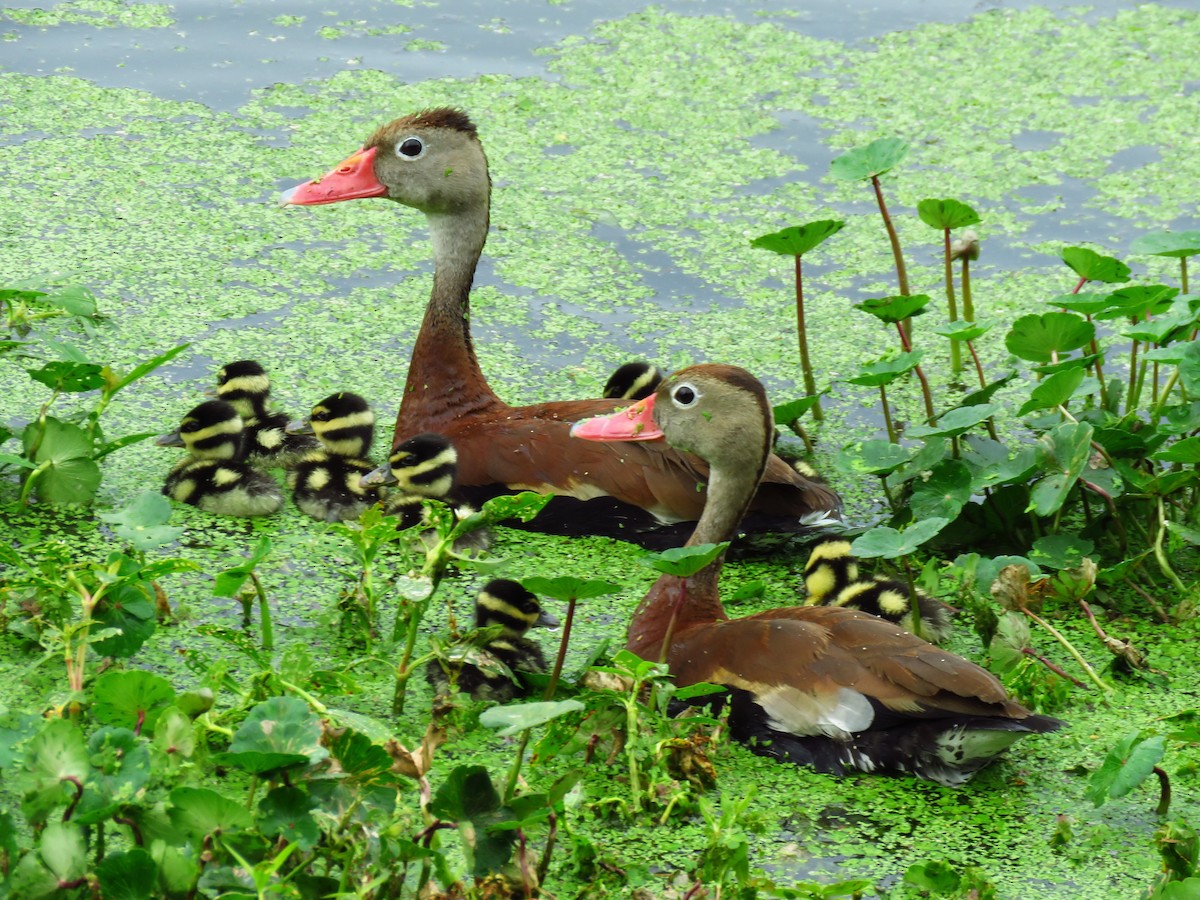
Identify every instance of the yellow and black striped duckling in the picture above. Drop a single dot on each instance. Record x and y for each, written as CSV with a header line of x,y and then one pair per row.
x,y
212,475
635,380
424,467
327,483
505,603
245,384
832,579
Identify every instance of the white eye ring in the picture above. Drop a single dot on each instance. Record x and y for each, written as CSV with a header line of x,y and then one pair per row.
x,y
410,148
684,395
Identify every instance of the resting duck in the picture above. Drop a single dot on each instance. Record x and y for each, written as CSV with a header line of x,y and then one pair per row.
x,y
424,468
635,380
823,686
326,483
432,161
212,475
831,578
505,603
246,385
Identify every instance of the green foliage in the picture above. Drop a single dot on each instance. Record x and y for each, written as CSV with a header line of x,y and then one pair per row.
x,y
870,161
946,214
798,239
1091,266
1178,244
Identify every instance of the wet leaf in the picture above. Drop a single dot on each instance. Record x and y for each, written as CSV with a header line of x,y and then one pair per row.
x,y
875,158
889,543
131,699
947,214
1091,265
798,239
1127,765
1037,337
516,717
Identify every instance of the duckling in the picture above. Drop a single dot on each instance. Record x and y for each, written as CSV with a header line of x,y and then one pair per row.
x,y
635,380
424,467
832,579
212,476
506,603
245,384
327,483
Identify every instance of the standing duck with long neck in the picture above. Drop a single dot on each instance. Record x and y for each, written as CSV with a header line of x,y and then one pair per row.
x,y
433,162
828,687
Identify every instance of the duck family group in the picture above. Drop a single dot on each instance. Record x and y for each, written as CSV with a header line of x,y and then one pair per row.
x,y
854,680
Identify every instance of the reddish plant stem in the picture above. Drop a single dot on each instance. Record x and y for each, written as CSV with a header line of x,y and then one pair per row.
x,y
562,652
952,305
926,394
1057,670
901,272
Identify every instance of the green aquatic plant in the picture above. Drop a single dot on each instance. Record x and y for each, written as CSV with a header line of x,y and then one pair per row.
x,y
897,311
795,241
242,581
947,215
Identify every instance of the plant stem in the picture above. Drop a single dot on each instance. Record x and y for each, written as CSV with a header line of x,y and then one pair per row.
x,y
810,384
1183,274
887,415
1058,636
926,394
1053,667
562,650
956,364
1161,557
264,613
514,773
968,305
1164,793
893,238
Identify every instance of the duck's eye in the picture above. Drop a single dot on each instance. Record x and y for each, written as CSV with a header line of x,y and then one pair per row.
x,y
410,148
684,395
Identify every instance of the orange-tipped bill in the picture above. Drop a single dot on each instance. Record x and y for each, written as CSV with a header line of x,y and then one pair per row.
x,y
353,179
633,423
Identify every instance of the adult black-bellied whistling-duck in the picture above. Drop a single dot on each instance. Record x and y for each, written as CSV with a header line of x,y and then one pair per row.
x,y
508,604
433,162
824,686
246,385
327,483
831,578
212,476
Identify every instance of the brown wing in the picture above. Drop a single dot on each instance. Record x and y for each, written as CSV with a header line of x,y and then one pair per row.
x,y
822,655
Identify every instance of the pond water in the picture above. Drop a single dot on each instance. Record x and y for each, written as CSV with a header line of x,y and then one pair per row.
x,y
635,150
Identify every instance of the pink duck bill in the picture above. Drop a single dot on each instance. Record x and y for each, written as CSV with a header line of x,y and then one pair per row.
x,y
633,423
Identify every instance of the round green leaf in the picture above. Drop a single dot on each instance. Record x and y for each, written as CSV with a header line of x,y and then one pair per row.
x,y
1185,451
54,758
1061,551
278,733
894,309
1036,338
956,421
874,159
121,767
567,587
944,493
143,522
128,875
889,543
1054,391
1091,265
129,608
785,413
71,475
1138,300
69,377
286,812
1182,243
133,699
64,851
1064,453
873,457
798,239
517,717
199,812
684,561
1084,302
886,370
946,214
965,331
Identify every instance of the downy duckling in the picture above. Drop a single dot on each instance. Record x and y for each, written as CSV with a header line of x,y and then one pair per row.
x,y
832,578
424,467
327,483
635,380
245,384
506,603
212,475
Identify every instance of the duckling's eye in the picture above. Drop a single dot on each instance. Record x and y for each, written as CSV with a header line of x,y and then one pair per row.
x,y
410,148
685,395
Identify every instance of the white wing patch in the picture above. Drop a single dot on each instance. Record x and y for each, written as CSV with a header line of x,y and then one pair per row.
x,y
835,715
